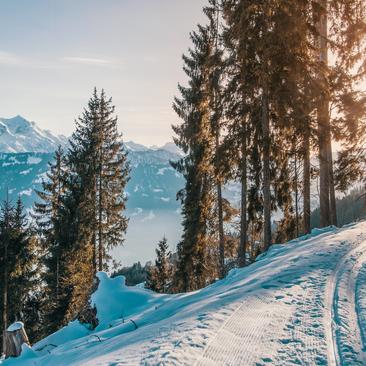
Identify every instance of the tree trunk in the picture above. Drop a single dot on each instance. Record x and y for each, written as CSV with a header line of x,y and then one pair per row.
x,y
243,245
94,235
219,187
220,209
296,196
266,172
324,121
5,294
221,230
332,198
94,243
57,275
100,214
14,338
100,231
306,179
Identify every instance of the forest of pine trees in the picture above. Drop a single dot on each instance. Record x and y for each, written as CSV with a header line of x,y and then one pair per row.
x,y
271,86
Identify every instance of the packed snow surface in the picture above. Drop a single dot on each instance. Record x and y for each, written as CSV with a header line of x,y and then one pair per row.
x,y
302,303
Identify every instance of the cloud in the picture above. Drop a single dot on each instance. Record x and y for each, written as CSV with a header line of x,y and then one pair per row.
x,y
88,61
7,58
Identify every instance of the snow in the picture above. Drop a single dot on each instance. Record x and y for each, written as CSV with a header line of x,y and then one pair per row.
x,y
19,135
301,303
162,171
124,302
26,192
25,172
72,331
15,326
27,358
33,160
43,177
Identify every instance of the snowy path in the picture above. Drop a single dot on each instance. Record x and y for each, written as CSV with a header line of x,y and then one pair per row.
x,y
347,346
303,303
242,339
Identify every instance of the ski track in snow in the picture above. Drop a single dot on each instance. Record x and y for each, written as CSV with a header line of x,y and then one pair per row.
x,y
300,304
347,341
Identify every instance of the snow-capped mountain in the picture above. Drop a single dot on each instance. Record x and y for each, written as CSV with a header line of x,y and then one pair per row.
x,y
17,135
169,146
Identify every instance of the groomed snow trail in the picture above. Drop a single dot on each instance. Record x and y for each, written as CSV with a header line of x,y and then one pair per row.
x,y
347,346
302,303
237,343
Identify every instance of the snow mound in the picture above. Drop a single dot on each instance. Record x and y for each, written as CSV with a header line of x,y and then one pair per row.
x,y
74,330
15,326
114,300
28,356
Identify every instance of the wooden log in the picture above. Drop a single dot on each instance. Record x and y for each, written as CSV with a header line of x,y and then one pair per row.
x,y
15,337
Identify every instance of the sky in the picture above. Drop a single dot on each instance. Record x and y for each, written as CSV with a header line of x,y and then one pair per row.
x,y
53,53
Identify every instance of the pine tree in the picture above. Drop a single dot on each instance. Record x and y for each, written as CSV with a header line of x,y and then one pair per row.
x,y
339,27
160,276
267,53
6,264
49,215
214,65
18,265
23,275
194,137
98,158
80,215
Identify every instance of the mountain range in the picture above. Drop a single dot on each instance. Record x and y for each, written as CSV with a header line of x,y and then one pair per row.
x,y
17,135
25,153
26,150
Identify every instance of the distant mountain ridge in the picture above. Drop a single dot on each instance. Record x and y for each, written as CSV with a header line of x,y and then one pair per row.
x,y
17,135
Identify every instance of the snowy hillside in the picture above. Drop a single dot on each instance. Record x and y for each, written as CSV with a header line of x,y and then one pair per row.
x,y
17,135
302,303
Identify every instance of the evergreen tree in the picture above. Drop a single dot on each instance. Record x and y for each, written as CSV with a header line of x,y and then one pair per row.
x,y
214,65
338,26
194,137
49,215
98,158
81,215
160,276
267,53
18,265
6,264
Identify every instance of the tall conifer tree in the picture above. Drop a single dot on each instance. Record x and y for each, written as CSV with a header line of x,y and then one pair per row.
x,y
99,160
194,137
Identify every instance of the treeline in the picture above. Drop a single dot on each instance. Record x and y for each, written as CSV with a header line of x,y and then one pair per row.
x,y
262,99
48,268
350,208
19,279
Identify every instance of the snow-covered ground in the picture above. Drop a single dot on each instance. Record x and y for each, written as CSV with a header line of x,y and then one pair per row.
x,y
303,303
